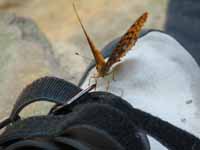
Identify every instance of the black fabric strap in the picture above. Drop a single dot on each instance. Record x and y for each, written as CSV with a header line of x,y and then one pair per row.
x,y
32,144
104,120
59,91
83,123
167,134
50,89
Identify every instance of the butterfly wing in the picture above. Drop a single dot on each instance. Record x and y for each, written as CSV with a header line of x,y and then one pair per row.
x,y
100,62
127,41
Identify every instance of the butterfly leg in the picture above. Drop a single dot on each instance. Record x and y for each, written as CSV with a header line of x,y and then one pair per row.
x,y
92,77
107,86
113,75
95,83
90,81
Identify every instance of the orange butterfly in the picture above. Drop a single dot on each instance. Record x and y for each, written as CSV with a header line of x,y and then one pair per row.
x,y
123,46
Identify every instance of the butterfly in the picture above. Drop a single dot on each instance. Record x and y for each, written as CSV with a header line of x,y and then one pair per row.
x,y
125,44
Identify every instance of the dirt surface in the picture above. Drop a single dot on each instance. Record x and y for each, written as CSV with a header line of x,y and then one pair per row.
x,y
103,19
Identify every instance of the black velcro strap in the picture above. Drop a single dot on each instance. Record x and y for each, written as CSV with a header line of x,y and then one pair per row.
x,y
33,144
83,126
45,89
114,122
167,134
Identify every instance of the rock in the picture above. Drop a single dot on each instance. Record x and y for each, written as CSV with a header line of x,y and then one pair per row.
x,y
26,55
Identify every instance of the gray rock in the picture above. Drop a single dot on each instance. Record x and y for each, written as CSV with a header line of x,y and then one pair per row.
x,y
25,54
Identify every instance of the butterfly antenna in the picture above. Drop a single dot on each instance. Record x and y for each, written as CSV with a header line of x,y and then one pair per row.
x,y
96,53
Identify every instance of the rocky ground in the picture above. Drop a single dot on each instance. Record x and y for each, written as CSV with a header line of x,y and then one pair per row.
x,y
46,42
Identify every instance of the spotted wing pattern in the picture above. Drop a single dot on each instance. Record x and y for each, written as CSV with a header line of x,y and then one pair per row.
x,y
127,41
